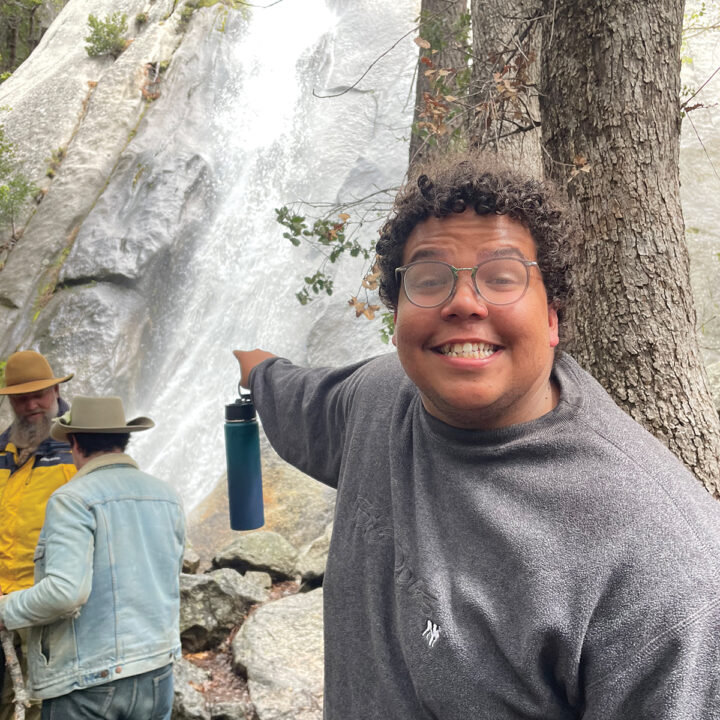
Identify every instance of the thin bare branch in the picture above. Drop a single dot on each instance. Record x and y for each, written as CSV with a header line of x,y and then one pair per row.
x,y
714,73
369,68
707,155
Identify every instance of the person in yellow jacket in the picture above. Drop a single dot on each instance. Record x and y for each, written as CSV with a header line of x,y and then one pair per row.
x,y
32,467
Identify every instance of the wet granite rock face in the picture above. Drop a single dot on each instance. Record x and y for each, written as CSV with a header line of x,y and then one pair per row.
x,y
89,107
131,196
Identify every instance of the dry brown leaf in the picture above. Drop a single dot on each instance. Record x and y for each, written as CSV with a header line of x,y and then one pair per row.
x,y
370,310
370,281
357,305
422,43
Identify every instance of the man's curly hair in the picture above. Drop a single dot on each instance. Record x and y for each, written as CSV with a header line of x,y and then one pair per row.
x,y
450,184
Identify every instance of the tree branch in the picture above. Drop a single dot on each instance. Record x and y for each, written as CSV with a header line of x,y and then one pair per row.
x,y
369,68
21,697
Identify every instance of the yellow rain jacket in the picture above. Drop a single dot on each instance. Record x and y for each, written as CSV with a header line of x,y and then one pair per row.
x,y
24,492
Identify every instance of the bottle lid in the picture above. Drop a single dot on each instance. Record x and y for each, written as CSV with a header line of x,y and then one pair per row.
x,y
242,410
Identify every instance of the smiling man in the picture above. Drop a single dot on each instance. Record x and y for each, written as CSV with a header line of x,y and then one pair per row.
x,y
32,467
508,544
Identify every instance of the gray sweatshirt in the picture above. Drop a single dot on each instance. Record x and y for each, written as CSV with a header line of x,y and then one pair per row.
x,y
568,567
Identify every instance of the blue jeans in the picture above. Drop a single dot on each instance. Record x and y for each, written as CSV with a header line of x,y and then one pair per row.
x,y
148,696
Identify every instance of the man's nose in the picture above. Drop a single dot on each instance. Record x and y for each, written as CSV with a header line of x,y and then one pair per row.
x,y
466,301
32,404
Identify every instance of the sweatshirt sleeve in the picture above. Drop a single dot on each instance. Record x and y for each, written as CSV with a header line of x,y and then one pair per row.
x,y
304,413
674,677
64,559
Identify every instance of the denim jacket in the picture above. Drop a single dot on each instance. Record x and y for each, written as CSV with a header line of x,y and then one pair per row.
x,y
106,598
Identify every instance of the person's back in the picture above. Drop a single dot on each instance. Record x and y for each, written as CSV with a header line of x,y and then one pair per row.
x,y
123,628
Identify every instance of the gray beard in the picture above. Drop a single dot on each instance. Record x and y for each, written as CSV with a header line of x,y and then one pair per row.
x,y
27,436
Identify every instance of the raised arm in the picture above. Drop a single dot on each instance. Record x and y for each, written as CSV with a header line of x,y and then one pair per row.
x,y
248,359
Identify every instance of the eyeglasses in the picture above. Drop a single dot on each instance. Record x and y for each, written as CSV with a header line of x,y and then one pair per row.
x,y
498,281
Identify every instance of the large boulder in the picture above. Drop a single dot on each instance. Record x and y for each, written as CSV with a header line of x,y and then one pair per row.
x,y
212,605
285,679
264,550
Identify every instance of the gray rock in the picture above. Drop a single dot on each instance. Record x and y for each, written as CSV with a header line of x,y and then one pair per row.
x,y
266,551
238,710
313,557
285,679
212,605
191,561
261,579
189,702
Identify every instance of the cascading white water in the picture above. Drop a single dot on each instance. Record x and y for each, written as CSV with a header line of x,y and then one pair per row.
x,y
278,144
700,178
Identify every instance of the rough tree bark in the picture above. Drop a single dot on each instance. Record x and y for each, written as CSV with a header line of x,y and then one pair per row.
x,y
611,122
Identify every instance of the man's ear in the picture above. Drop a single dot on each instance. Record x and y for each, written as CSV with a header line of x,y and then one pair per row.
x,y
394,339
553,326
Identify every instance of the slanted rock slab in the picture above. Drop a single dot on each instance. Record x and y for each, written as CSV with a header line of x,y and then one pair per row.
x,y
280,648
266,551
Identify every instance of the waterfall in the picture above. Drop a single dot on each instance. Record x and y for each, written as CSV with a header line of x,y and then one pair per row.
x,y
273,142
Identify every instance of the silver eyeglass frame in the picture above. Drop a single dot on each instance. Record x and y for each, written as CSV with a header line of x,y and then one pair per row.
x,y
400,273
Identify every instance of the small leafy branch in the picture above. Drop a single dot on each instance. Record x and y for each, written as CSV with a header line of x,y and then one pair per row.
x,y
442,116
701,20
327,236
106,36
333,235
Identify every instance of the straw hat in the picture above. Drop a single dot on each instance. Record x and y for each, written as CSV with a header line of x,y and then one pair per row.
x,y
28,371
97,415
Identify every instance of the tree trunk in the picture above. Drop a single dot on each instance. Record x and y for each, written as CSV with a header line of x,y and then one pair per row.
x,y
505,74
611,122
440,25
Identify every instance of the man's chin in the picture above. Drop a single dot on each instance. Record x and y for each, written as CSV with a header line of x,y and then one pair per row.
x,y
30,431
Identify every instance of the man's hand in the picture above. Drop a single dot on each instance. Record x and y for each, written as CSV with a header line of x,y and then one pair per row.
x,y
248,359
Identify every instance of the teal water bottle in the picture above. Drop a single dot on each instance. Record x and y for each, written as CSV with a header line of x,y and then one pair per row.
x,y
242,449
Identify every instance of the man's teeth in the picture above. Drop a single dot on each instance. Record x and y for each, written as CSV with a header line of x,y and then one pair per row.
x,y
467,350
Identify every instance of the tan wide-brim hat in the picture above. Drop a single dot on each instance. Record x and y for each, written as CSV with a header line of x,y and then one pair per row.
x,y
97,415
28,371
